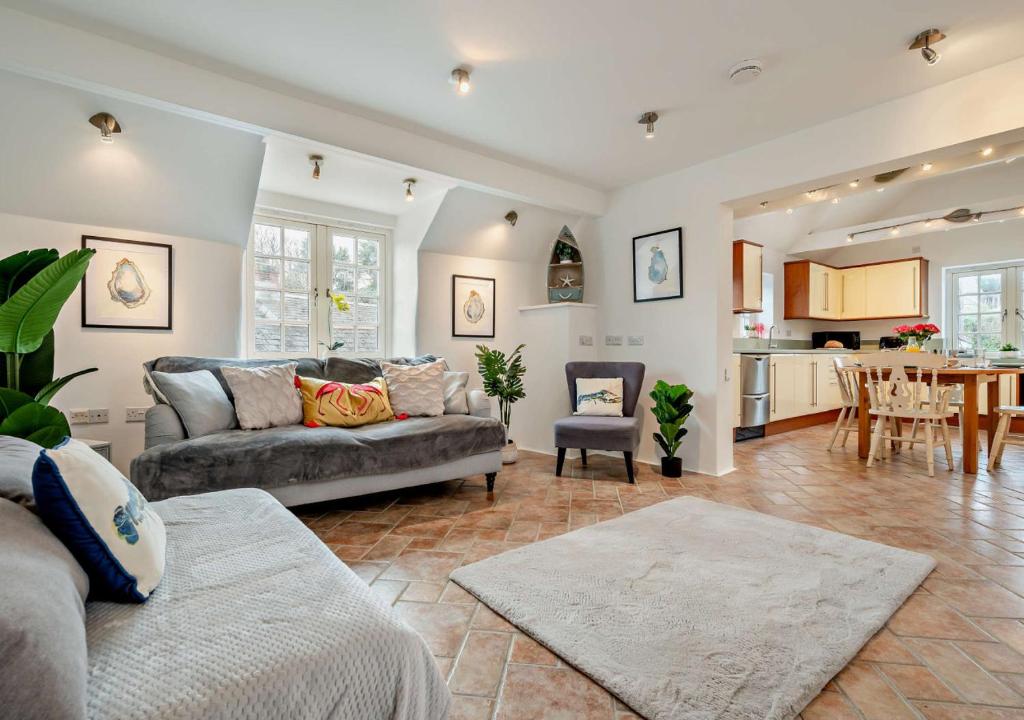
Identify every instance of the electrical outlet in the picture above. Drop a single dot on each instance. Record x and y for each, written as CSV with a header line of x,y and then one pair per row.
x,y
635,340
587,340
612,339
789,333
135,414
79,417
98,415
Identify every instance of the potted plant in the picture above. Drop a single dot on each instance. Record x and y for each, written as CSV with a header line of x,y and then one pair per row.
x,y
671,409
1009,350
564,252
503,378
34,285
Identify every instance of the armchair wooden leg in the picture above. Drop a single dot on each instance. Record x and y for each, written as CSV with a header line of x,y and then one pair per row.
x,y
583,457
559,462
490,481
629,467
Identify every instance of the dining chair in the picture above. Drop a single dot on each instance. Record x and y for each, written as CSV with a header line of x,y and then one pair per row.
x,y
848,392
916,396
1003,436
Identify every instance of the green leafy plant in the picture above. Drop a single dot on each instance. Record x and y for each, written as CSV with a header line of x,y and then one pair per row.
x,y
502,377
34,285
564,251
671,409
1009,347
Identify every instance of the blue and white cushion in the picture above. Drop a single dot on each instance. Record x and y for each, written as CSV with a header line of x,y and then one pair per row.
x,y
599,396
102,519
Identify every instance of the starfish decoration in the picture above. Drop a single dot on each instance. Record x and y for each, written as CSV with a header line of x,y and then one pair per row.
x,y
566,281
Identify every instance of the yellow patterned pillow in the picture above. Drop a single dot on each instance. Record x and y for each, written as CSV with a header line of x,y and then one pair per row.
x,y
338,404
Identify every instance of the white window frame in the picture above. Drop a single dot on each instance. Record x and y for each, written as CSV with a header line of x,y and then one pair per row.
x,y
1012,301
321,273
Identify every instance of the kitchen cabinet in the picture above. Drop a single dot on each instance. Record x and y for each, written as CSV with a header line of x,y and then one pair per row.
x,y
782,386
802,384
747,271
897,289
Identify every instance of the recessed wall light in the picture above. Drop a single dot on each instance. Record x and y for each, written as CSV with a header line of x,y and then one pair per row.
x,y
926,166
924,42
460,79
986,152
409,195
647,120
107,124
317,161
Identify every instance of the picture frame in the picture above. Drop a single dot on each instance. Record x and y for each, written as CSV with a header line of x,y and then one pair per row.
x,y
473,306
658,266
129,285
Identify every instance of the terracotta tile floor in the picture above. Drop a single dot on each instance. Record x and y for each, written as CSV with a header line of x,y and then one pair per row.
x,y
954,651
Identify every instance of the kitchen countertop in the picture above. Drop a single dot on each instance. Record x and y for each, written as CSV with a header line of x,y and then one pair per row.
x,y
803,351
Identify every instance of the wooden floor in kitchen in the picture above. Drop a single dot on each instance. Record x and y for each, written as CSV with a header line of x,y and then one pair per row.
x,y
954,651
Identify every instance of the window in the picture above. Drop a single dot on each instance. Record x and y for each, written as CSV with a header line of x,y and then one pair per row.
x,y
987,307
292,267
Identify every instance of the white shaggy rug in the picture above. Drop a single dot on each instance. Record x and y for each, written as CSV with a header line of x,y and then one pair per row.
x,y
694,610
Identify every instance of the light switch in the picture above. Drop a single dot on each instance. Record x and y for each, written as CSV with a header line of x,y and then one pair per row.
x,y
612,339
587,340
635,340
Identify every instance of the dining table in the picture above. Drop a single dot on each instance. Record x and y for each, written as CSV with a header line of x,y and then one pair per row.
x,y
972,379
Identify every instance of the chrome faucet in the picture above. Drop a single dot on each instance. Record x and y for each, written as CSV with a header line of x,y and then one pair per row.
x,y
771,331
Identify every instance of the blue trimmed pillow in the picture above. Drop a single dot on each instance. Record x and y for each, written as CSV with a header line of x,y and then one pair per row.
x,y
102,519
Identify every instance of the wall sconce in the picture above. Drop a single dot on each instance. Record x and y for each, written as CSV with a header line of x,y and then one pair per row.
x,y
648,119
107,124
512,217
924,42
317,161
409,182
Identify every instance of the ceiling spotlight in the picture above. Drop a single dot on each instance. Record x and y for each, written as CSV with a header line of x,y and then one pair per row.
x,y
648,119
926,166
849,238
789,211
1022,211
986,152
107,125
927,223
924,42
409,195
764,204
460,79
855,183
976,218
317,161
745,71
835,201
894,231
512,217
879,189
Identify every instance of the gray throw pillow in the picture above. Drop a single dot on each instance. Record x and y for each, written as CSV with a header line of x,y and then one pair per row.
x,y
199,400
19,457
456,402
42,624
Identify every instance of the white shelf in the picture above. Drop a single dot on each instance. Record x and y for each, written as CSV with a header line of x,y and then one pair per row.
x,y
548,306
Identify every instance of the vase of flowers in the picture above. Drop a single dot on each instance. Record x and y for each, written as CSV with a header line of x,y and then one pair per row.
x,y
915,336
754,330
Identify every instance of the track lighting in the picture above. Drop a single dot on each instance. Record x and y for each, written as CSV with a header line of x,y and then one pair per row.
x,y
855,183
512,217
409,195
460,79
107,124
879,189
894,231
986,152
648,119
317,161
927,166
849,238
924,42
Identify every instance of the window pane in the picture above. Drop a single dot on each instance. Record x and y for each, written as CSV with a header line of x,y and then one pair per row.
x,y
296,308
344,280
368,282
267,305
368,252
296,275
366,310
268,273
991,303
267,239
991,323
296,243
268,338
968,303
965,342
344,249
991,283
296,338
990,342
968,284
968,323
367,339
344,335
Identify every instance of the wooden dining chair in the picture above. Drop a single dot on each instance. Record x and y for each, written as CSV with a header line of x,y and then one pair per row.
x,y
1003,436
846,423
916,396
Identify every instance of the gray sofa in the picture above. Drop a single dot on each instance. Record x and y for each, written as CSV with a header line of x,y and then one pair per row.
x,y
299,465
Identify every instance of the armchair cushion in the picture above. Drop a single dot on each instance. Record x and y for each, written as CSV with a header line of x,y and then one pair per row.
x,y
599,433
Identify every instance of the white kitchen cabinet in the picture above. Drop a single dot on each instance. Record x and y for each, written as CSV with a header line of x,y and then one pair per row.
x,y
782,385
893,289
829,396
854,295
897,289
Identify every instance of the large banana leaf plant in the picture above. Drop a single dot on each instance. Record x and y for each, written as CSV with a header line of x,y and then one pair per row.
x,y
34,285
502,378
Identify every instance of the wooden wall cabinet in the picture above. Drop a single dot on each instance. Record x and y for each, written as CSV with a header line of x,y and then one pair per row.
x,y
747,269
876,291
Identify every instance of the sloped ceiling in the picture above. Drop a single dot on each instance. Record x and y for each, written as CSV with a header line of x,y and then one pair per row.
x,y
164,173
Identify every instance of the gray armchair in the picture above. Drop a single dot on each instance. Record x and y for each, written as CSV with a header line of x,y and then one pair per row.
x,y
589,432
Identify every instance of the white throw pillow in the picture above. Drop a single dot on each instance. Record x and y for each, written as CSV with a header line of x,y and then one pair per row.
x,y
415,389
599,396
102,519
265,396
456,402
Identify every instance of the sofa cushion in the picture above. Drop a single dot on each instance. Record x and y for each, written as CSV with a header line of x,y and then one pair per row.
x,y
337,404
307,367
265,396
362,370
19,457
415,390
199,400
256,619
42,621
456,400
296,454
598,433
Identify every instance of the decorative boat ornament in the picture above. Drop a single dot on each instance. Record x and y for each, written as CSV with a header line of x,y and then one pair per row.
x,y
565,269
127,285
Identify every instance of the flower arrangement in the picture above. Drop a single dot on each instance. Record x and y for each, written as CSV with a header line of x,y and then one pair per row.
x,y
915,335
754,329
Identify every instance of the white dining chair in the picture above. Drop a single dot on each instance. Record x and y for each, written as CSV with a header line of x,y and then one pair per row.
x,y
846,423
1003,436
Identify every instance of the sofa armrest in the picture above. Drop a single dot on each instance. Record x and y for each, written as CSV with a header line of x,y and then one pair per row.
x,y
479,403
163,426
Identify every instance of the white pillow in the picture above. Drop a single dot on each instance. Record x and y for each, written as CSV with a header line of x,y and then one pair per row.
x,y
599,396
265,396
456,402
415,389
102,519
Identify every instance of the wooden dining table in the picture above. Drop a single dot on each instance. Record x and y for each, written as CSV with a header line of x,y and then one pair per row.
x,y
971,378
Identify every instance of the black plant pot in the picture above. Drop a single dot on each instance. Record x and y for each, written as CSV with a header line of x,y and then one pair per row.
x,y
672,467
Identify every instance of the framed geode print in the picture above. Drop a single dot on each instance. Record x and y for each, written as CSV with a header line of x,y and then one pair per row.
x,y
658,266
472,306
128,285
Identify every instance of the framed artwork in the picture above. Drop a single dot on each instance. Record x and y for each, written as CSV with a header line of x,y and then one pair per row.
x,y
128,285
472,306
658,265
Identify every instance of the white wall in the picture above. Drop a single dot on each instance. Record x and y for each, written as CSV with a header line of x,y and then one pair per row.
x,y
207,317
